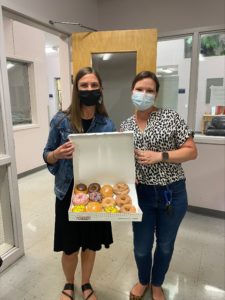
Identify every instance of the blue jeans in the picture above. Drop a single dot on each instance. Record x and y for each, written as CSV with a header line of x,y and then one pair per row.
x,y
157,222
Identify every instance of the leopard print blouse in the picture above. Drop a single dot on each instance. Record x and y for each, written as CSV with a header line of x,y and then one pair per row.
x,y
165,131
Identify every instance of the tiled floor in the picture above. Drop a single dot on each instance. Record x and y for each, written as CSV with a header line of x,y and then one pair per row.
x,y
196,271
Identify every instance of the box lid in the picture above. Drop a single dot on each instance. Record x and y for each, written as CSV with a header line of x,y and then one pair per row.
x,y
103,157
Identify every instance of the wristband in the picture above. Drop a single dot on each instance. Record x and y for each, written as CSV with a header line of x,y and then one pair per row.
x,y
165,156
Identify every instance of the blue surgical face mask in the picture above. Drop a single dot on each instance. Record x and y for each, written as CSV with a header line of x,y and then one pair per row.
x,y
142,101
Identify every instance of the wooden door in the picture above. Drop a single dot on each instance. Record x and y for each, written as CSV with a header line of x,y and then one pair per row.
x,y
143,42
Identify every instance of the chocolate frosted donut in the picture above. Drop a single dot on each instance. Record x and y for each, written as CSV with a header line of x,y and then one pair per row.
x,y
80,188
94,187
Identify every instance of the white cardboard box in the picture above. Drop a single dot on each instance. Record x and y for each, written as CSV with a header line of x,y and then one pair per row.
x,y
106,158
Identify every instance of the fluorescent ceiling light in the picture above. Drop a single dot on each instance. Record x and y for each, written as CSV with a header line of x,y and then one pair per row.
x,y
167,71
49,50
106,56
10,65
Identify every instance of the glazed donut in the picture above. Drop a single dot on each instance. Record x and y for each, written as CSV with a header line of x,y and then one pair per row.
x,y
94,187
80,199
93,207
80,189
127,208
123,199
95,196
78,208
108,201
106,190
121,188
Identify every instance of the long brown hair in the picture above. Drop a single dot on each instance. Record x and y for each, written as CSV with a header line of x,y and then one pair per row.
x,y
74,110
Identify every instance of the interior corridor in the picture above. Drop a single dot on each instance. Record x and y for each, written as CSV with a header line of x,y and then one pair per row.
x,y
196,271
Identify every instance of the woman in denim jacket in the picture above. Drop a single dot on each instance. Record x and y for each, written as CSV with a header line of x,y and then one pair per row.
x,y
86,113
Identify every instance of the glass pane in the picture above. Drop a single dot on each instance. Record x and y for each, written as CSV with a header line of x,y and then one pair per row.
x,y
210,113
6,230
19,92
173,71
117,71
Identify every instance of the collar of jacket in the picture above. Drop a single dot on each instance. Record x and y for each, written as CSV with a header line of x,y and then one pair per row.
x,y
100,119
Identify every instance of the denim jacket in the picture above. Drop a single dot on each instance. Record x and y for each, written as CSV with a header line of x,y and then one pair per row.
x,y
60,128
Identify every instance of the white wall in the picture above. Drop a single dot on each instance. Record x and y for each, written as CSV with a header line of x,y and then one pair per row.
x,y
163,15
206,177
27,43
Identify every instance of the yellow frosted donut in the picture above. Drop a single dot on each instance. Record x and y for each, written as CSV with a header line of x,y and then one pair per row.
x,y
111,209
78,208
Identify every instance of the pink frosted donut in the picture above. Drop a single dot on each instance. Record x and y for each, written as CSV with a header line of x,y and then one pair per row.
x,y
95,196
80,199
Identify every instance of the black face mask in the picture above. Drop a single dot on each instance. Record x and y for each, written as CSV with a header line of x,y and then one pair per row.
x,y
89,98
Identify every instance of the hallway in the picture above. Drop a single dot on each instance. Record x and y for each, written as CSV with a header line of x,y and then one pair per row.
x,y
196,271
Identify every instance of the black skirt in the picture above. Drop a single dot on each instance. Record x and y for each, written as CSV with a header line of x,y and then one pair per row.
x,y
70,236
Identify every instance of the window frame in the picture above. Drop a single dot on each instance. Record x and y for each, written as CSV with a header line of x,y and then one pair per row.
x,y
32,92
194,72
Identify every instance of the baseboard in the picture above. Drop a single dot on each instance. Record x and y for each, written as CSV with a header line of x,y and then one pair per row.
x,y
207,212
31,171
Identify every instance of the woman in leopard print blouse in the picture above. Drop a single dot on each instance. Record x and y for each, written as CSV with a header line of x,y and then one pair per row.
x,y
162,142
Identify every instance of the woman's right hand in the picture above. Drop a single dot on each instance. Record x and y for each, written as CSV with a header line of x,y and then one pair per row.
x,y
64,151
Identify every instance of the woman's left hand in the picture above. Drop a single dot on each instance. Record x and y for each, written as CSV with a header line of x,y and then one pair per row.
x,y
147,157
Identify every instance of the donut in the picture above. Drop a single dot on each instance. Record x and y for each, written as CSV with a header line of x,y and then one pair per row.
x,y
95,196
127,208
123,199
111,209
108,201
78,208
80,189
94,187
93,207
79,199
121,188
106,190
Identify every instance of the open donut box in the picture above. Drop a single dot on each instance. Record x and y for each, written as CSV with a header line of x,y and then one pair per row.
x,y
106,158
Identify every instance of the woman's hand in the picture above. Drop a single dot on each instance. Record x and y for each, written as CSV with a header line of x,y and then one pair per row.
x,y
147,157
64,151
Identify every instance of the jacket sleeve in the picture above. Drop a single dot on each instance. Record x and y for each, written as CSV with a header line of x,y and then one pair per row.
x,y
112,125
53,142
